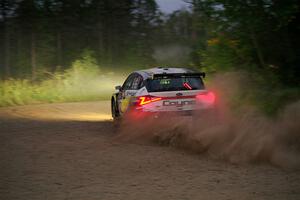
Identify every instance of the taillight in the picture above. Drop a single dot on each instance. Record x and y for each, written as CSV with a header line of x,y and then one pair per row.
x,y
143,100
207,98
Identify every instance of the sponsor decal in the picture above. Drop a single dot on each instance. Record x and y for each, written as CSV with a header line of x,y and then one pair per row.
x,y
179,103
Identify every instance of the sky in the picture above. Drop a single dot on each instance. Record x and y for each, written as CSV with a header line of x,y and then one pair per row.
x,y
168,6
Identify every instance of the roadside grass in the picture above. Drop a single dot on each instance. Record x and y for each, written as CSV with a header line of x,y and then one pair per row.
x,y
57,89
83,81
261,91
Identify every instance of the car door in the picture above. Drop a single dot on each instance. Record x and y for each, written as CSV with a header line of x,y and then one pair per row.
x,y
124,94
130,89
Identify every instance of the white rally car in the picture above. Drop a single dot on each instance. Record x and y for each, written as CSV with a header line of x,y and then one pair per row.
x,y
159,91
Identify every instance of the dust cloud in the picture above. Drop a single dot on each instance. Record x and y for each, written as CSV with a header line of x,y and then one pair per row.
x,y
238,134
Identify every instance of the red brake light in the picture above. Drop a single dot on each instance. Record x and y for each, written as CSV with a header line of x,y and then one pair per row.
x,y
143,100
208,97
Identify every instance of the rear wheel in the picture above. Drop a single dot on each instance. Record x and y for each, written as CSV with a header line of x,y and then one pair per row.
x,y
115,115
114,111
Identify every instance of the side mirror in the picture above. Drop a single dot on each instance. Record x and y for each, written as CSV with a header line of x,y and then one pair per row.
x,y
118,88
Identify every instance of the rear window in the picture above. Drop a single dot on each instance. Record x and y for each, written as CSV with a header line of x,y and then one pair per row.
x,y
174,84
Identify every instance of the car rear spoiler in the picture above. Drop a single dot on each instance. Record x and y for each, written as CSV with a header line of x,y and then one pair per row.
x,y
165,75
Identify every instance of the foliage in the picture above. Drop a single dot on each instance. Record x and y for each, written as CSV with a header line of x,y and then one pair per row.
x,y
257,36
84,81
50,35
236,39
43,38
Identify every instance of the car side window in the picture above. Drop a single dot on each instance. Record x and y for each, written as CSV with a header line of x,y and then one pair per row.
x,y
128,82
136,82
142,83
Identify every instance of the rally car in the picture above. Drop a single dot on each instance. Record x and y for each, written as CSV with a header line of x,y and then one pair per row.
x,y
159,91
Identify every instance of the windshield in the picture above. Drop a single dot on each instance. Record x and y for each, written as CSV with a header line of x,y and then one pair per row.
x,y
174,84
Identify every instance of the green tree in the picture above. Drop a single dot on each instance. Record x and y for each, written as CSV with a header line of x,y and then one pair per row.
x,y
7,8
259,33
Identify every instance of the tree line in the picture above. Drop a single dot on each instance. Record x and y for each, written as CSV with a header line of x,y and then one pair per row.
x,y
50,34
255,35
260,36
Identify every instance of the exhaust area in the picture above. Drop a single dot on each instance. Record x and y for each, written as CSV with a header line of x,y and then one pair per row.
x,y
239,133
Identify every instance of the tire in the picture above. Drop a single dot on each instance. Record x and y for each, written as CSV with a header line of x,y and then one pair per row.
x,y
114,111
115,115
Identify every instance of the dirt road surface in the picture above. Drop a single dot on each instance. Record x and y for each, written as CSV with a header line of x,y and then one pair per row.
x,y
69,151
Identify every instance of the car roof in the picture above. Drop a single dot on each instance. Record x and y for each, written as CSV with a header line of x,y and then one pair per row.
x,y
148,73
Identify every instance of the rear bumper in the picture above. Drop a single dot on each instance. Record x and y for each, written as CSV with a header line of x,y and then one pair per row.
x,y
140,114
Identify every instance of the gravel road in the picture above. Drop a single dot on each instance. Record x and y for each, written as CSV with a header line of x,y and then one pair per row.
x,y
69,151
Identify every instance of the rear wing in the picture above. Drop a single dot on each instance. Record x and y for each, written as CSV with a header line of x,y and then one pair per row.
x,y
165,75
